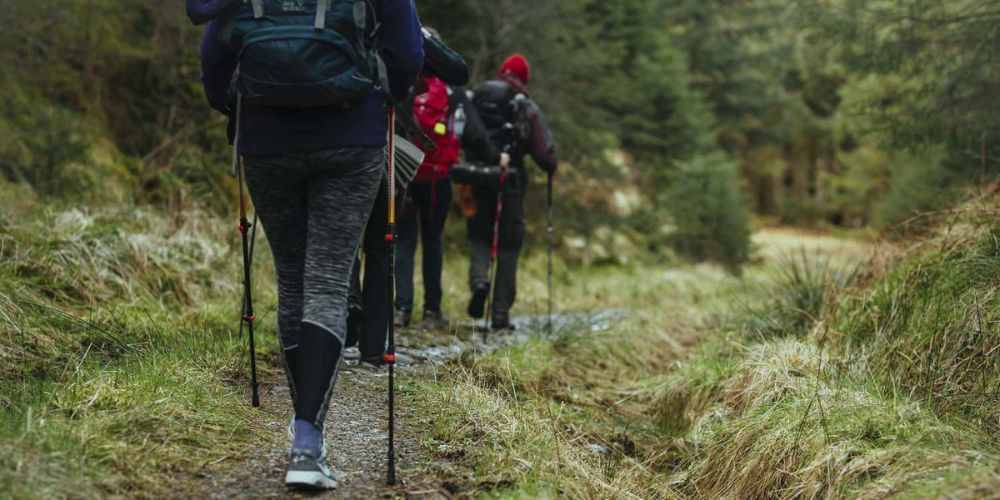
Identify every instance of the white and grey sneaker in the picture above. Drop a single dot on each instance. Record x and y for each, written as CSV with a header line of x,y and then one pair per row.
x,y
308,472
352,354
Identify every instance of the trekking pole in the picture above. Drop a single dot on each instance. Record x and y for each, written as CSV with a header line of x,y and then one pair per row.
x,y
253,244
248,314
390,237
495,251
245,226
549,244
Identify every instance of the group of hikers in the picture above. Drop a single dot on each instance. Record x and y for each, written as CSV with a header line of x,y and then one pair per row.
x,y
316,91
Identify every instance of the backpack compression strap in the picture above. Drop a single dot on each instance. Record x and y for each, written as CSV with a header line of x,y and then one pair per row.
x,y
322,6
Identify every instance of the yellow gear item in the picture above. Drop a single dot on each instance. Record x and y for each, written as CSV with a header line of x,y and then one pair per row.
x,y
440,128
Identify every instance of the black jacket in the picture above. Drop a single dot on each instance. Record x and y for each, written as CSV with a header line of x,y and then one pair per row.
x,y
515,123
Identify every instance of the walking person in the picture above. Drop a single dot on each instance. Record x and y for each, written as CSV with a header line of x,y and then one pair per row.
x,y
369,310
515,124
314,158
448,118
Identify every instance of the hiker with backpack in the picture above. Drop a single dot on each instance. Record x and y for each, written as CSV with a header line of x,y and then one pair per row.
x,y
311,84
368,309
516,125
446,116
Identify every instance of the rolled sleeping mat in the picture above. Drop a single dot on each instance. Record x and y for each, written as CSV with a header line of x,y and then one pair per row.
x,y
444,62
487,176
408,160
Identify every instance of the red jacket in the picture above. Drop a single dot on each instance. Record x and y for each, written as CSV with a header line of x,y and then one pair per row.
x,y
433,111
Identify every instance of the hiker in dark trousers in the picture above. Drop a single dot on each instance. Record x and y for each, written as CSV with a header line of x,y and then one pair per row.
x,y
451,122
368,308
313,172
515,124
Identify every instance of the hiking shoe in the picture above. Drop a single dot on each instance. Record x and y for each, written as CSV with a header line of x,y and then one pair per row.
x,y
352,354
379,361
355,317
308,472
434,320
376,361
401,319
502,323
477,305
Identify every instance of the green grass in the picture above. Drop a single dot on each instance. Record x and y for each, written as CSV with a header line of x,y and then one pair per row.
x,y
532,416
810,377
120,365
930,327
818,373
780,417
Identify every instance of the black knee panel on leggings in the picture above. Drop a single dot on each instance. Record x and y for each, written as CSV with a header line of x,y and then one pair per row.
x,y
317,361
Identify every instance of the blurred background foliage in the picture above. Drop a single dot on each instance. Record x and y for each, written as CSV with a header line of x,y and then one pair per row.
x,y
844,113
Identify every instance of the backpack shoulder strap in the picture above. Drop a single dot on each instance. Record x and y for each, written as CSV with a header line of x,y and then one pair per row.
x,y
361,15
321,7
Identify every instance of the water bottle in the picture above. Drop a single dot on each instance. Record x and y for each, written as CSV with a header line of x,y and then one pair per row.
x,y
460,119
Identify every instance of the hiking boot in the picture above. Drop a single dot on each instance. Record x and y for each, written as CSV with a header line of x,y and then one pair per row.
x,y
355,317
306,471
477,305
434,320
502,323
379,361
373,361
401,319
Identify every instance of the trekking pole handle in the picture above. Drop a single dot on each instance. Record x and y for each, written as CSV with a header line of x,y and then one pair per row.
x,y
236,136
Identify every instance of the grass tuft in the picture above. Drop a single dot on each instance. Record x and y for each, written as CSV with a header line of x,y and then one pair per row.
x,y
120,369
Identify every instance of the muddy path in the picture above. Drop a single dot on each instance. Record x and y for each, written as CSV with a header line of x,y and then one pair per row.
x,y
356,432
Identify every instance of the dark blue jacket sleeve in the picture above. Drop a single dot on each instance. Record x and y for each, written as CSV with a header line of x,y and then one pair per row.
x,y
401,44
218,63
203,11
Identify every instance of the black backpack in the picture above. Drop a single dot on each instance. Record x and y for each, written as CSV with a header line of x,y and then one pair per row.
x,y
306,53
501,108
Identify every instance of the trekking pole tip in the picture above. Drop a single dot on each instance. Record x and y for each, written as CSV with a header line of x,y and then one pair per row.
x,y
255,398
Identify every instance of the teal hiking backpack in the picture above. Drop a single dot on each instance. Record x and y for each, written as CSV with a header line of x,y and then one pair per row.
x,y
306,53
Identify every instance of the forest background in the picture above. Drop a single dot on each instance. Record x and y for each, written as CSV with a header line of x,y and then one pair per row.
x,y
676,120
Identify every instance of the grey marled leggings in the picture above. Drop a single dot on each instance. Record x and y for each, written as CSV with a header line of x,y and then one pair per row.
x,y
314,208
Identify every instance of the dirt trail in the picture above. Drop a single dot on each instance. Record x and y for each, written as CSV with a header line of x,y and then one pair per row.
x,y
356,423
356,444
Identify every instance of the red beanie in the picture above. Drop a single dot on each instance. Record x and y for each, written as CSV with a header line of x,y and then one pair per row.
x,y
518,65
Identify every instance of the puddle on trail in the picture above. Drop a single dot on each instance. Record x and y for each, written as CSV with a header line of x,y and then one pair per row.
x,y
474,337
